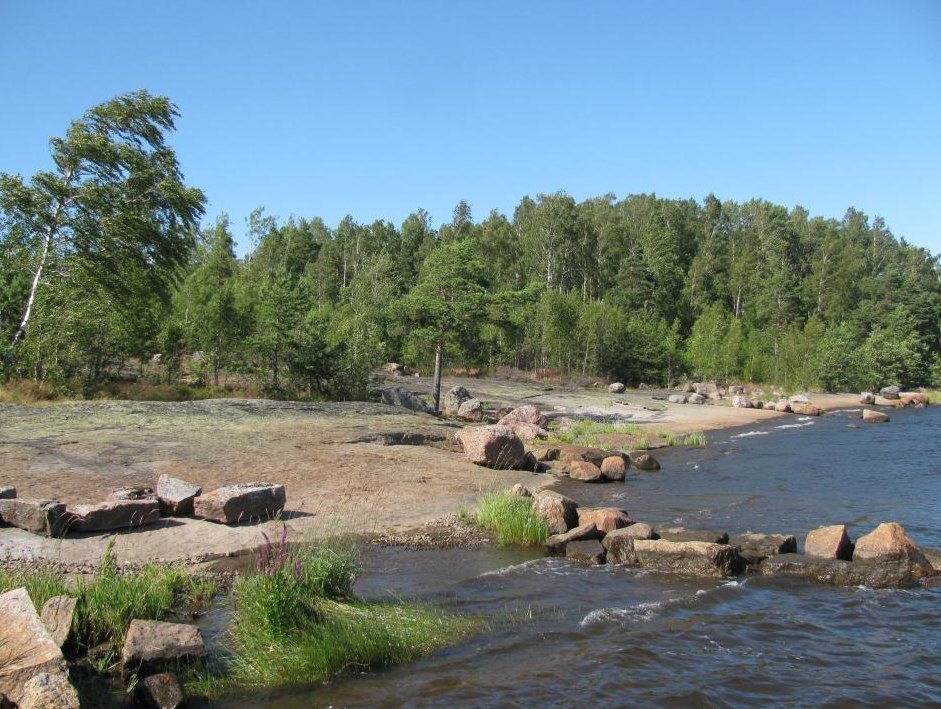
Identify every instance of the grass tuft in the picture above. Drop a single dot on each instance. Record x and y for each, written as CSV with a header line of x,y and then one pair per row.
x,y
512,518
585,432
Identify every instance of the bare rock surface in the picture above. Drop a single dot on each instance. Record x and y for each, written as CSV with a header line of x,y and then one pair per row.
x,y
44,517
49,691
113,514
689,558
241,503
26,648
831,542
492,446
400,396
176,496
151,646
56,616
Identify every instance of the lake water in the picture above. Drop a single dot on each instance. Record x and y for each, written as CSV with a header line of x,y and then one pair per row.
x,y
608,636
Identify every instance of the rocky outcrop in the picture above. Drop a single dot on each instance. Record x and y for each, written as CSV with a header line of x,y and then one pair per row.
x,y
400,396
160,691
558,542
241,503
707,389
176,496
113,514
688,558
836,572
830,542
525,430
56,616
153,646
45,517
589,553
614,468
492,446
889,543
870,416
585,472
606,519
49,691
616,388
26,648
559,512
644,461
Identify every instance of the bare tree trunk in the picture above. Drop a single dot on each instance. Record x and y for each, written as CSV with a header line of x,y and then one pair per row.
x,y
436,385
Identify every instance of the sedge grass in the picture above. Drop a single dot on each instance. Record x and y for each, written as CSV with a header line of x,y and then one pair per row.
x,y
585,432
512,518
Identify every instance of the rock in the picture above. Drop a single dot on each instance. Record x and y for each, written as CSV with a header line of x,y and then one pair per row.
x,y
614,468
606,519
644,461
241,503
679,534
695,398
152,646
707,389
590,553
741,402
888,542
113,514
45,517
526,414
471,410
131,493
913,398
870,416
525,430
569,453
756,403
836,572
867,398
395,369
805,409
520,490
7,492
26,648
687,388
891,392
616,388
160,691
763,545
736,390
619,547
799,399
585,472
677,398
176,496
49,691
453,398
690,558
783,407
559,512
558,542
400,396
545,453
492,446
830,542
56,616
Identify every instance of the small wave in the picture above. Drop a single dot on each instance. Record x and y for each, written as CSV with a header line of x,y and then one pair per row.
x,y
804,418
795,425
513,568
845,411
750,433
641,612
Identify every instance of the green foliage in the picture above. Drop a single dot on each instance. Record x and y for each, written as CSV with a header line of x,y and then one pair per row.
x,y
512,518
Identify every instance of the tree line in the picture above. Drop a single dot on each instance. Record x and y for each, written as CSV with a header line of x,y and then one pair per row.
x,y
639,289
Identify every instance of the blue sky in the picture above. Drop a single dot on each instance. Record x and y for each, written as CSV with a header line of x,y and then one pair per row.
x,y
375,109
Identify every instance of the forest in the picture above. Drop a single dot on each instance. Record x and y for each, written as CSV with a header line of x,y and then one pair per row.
x,y
104,262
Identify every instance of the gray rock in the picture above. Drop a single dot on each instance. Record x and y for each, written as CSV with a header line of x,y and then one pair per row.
x,y
26,646
152,646
520,490
453,399
677,398
590,553
159,691
830,542
867,398
640,530
559,512
131,493
113,514
176,496
836,572
558,542
45,517
891,392
56,616
644,461
680,534
689,558
870,416
616,388
742,402
471,410
241,503
764,545
492,446
695,398
736,390
7,493
49,691
400,396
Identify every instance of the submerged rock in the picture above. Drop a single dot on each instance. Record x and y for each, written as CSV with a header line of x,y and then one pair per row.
x,y
644,461
870,416
680,534
160,691
590,553
763,545
836,572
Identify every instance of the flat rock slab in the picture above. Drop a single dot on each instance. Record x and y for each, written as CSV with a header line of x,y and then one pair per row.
x,y
153,646
680,534
56,615
44,517
590,553
558,542
113,514
836,572
241,503
765,544
176,496
644,461
689,558
26,648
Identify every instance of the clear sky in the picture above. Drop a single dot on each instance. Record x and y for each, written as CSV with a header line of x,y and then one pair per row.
x,y
375,109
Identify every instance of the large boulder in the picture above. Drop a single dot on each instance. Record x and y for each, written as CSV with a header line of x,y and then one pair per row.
x,y
606,519
803,409
783,407
559,512
836,572
890,392
589,553
114,514
176,496
870,416
614,468
153,646
56,616
525,430
492,446
585,472
471,410
742,402
26,648
707,389
558,542
49,691
677,398
159,691
616,388
867,398
45,517
527,414
453,399
690,558
888,542
644,461
569,452
831,542
241,503
695,398
400,396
